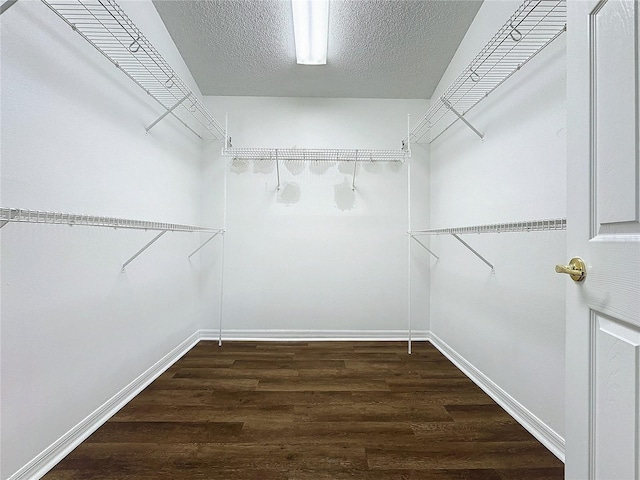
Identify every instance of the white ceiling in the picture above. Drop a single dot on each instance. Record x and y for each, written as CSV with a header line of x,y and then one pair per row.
x,y
377,48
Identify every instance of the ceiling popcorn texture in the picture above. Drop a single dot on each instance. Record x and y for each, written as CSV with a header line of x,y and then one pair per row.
x,y
377,48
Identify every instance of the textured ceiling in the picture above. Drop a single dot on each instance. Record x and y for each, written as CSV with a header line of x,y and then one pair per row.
x,y
377,48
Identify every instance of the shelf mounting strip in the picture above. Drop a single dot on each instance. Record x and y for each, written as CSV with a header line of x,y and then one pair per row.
x,y
534,25
455,232
19,215
109,30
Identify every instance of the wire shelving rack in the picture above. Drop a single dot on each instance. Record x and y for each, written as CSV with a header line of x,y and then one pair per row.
x,y
354,156
455,232
534,25
528,226
107,28
19,215
303,154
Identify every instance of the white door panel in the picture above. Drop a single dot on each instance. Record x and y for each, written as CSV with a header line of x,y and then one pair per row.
x,y
615,398
613,45
603,227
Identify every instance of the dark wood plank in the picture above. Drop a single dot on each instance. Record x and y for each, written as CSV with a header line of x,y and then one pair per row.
x,y
293,364
440,396
166,432
373,412
494,431
469,455
235,373
347,432
311,411
436,474
174,413
323,385
478,413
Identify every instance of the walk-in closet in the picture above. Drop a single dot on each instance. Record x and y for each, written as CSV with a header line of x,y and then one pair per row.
x,y
410,252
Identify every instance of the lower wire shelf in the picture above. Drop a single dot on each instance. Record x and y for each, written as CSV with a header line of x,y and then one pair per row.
x,y
455,232
19,215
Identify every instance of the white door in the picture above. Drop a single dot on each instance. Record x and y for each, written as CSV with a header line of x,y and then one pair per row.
x,y
603,227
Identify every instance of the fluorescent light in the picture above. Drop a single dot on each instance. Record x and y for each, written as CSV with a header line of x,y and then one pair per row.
x,y
311,30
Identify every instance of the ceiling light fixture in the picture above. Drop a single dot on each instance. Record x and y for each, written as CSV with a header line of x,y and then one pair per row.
x,y
311,30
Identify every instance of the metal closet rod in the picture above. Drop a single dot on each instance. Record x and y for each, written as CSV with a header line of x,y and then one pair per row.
x,y
105,26
534,25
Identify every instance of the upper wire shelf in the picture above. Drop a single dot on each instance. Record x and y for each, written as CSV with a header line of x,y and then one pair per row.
x,y
534,25
106,27
339,155
529,226
20,215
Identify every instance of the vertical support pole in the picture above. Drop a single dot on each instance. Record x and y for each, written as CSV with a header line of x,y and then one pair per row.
x,y
408,147
221,294
277,170
355,164
409,253
224,230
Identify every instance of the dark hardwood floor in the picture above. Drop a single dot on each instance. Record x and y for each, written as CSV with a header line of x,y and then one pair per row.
x,y
311,411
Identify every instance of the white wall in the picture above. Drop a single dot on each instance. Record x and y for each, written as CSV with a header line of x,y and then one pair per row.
x,y
316,259
509,325
331,263
75,330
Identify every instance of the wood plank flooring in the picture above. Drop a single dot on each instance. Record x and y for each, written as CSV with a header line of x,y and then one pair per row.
x,y
311,411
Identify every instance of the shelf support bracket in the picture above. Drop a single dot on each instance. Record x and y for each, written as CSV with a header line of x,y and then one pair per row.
x,y
143,249
474,252
424,246
406,142
207,241
170,110
461,117
6,5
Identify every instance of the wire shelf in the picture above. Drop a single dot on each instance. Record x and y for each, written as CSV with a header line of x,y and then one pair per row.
x,y
534,25
302,154
106,27
530,226
20,215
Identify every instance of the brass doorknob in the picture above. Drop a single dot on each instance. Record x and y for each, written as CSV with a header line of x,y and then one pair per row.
x,y
576,269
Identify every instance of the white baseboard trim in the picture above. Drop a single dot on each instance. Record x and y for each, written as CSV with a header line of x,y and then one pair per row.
x,y
265,335
46,460
543,433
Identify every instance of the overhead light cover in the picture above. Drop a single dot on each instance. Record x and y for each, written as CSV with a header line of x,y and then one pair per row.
x,y
311,30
